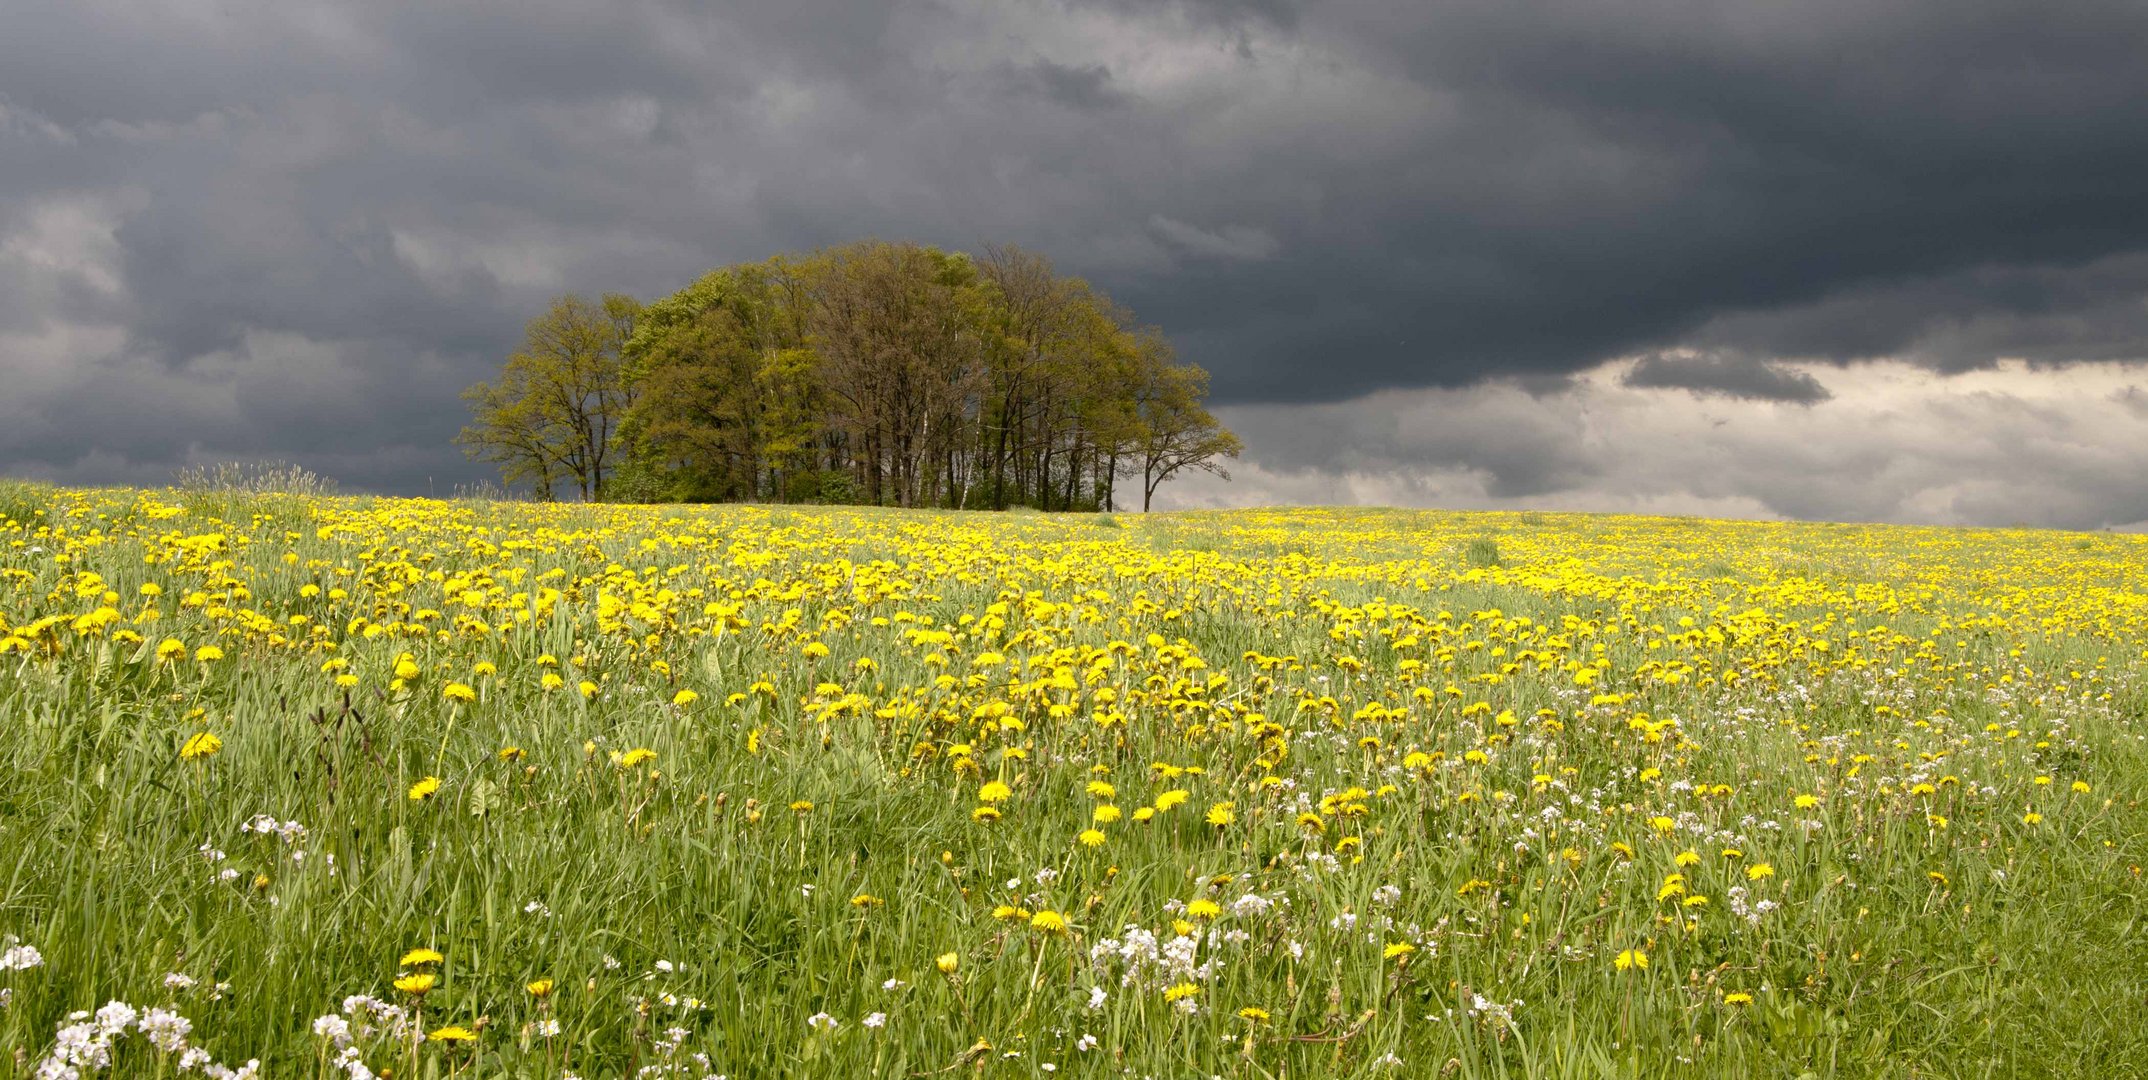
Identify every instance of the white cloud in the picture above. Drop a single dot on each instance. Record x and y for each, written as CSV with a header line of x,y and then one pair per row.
x,y
1895,442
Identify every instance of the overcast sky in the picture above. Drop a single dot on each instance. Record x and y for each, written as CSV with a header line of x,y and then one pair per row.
x,y
1845,259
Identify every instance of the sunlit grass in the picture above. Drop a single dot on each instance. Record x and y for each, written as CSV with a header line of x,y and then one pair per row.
x,y
837,792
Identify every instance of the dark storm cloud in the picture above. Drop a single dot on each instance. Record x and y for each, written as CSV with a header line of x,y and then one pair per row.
x,y
1726,376
243,228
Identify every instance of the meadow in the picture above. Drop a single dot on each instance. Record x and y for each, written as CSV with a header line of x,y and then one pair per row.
x,y
348,787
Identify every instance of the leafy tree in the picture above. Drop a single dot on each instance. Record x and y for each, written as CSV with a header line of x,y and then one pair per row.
x,y
727,400
877,372
550,416
1175,432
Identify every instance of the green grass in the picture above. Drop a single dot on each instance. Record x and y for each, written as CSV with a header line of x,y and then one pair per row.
x,y
687,892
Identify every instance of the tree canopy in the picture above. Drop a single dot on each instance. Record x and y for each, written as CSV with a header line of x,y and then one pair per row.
x,y
875,372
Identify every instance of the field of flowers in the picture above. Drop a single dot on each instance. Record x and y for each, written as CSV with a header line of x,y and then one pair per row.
x,y
343,788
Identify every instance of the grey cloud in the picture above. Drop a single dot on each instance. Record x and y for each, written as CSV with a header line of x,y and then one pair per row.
x,y
1319,202
1229,242
1724,375
1084,87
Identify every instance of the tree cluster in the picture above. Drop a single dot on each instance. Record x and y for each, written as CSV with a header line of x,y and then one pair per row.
x,y
880,373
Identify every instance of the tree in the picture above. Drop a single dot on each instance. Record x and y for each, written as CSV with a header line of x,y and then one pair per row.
x,y
1175,432
727,402
551,414
896,327
875,372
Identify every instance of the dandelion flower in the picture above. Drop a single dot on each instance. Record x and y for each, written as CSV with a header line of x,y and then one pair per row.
x,y
947,963
1631,959
201,745
453,1033
425,789
420,957
418,983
